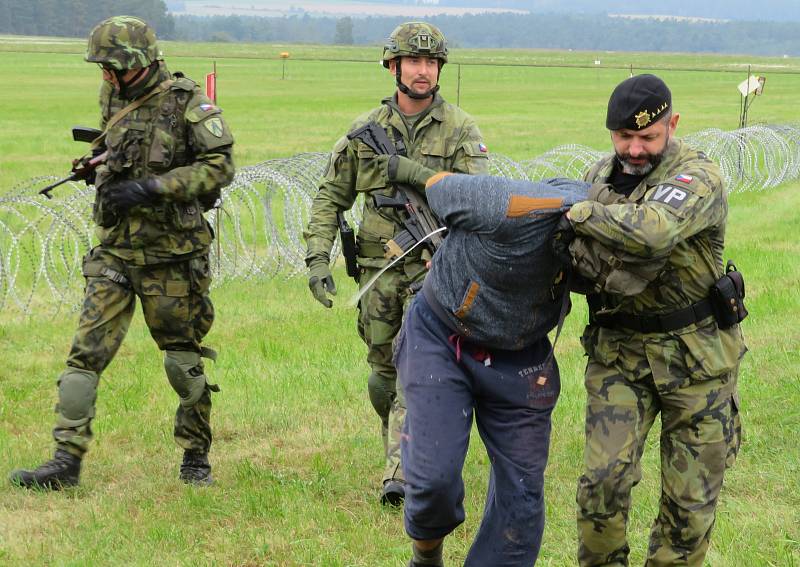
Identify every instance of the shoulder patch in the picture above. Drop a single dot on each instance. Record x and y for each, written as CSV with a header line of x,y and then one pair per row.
x,y
671,195
476,149
201,112
214,125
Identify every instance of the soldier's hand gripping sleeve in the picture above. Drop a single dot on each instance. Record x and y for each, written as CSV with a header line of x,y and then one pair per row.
x,y
405,171
563,235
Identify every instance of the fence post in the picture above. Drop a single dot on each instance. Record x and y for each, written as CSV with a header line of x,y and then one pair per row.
x,y
458,88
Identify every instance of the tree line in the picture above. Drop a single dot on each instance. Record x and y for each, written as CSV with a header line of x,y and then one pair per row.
x,y
554,31
551,31
75,18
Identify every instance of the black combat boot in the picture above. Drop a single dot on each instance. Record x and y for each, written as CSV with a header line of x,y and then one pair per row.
x,y
195,468
61,471
430,558
393,493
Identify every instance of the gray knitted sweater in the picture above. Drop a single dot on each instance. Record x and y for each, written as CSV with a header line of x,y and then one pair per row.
x,y
495,276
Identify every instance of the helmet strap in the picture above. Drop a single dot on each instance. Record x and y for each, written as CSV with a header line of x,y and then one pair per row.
x,y
132,88
408,92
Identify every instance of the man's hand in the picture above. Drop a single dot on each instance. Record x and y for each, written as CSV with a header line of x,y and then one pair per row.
x,y
132,192
400,169
563,235
80,163
320,281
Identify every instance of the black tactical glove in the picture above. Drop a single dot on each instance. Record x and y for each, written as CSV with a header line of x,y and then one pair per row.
x,y
320,281
132,192
562,236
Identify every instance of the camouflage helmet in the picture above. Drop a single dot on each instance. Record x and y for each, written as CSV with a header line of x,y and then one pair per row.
x,y
415,39
122,43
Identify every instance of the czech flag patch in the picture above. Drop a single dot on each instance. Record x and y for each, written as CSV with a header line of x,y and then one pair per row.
x,y
683,178
482,147
205,107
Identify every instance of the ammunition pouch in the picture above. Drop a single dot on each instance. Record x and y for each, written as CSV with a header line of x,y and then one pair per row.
x,y
370,249
402,242
104,213
185,216
727,298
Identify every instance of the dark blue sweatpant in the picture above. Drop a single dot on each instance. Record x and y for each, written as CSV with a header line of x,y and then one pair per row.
x,y
512,398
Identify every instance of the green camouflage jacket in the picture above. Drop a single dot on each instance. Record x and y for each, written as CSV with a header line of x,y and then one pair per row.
x,y
445,139
671,230
180,137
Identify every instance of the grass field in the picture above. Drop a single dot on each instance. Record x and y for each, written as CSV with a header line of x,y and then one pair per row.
x,y
297,452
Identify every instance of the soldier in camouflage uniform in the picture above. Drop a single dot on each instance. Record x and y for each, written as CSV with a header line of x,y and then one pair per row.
x,y
652,243
434,133
169,152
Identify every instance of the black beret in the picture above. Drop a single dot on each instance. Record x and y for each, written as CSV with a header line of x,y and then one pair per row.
x,y
637,103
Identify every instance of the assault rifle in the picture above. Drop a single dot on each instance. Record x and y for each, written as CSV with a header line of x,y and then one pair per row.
x,y
420,221
82,168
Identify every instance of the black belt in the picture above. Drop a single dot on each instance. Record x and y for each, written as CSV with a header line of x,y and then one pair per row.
x,y
654,323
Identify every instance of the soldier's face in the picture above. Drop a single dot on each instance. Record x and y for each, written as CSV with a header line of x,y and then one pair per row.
x,y
640,151
420,74
110,76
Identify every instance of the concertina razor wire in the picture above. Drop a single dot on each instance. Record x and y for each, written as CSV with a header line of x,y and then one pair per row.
x,y
264,210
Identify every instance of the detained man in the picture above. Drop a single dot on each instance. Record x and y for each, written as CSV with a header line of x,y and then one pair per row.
x,y
474,345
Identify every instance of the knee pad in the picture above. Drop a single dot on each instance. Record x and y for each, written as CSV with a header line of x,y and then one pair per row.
x,y
77,392
185,374
381,394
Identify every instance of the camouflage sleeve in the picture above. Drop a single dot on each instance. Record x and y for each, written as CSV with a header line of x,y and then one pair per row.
x,y
336,193
674,210
211,141
471,157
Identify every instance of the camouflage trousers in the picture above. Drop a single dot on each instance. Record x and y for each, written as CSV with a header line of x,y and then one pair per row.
x,y
178,312
700,433
380,316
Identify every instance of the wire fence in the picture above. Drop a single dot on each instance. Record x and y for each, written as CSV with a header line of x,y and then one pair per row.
x,y
259,227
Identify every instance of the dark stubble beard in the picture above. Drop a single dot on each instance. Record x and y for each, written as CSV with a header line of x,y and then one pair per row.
x,y
652,161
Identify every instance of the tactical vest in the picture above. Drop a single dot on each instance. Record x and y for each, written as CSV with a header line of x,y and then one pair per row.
x,y
151,140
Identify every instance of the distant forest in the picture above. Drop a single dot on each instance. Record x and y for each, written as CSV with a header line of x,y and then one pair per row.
x,y
773,10
555,31
75,18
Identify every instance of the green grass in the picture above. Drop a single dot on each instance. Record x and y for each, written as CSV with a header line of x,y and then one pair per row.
x,y
297,453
